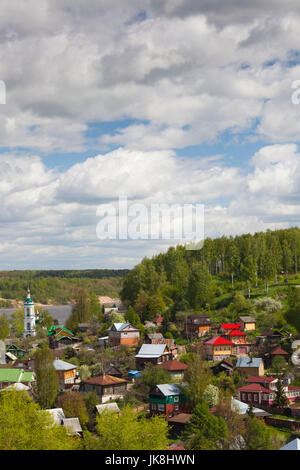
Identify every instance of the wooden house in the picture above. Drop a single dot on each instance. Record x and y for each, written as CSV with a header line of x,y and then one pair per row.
x,y
175,368
223,366
218,348
123,334
250,366
152,354
16,351
107,387
248,323
60,337
262,390
167,399
66,372
198,325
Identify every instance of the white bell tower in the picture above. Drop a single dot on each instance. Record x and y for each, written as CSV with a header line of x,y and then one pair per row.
x,y
29,316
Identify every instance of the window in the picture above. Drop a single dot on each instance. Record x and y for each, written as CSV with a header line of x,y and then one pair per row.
x,y
28,326
255,397
249,397
161,407
244,396
153,406
176,399
176,407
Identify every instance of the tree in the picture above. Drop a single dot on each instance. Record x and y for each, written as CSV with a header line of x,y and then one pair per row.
x,y
128,431
211,395
205,431
280,399
17,322
74,406
257,435
4,327
278,366
25,427
84,372
197,377
46,377
234,421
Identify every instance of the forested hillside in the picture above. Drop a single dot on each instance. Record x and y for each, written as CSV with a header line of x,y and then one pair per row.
x,y
58,287
263,264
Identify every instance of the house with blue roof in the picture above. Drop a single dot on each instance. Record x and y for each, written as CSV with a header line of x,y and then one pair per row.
x,y
152,354
250,366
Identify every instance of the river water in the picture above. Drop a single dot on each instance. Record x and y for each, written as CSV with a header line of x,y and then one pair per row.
x,y
60,312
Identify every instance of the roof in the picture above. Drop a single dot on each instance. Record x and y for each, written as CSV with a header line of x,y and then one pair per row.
x,y
262,379
168,389
254,388
218,340
173,365
16,375
151,350
11,356
57,414
242,408
158,319
72,425
249,362
247,319
279,351
108,406
237,333
293,445
119,326
270,333
180,418
62,365
104,379
231,326
16,386
155,336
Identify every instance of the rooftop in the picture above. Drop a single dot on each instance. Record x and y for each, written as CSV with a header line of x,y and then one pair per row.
x,y
173,365
105,380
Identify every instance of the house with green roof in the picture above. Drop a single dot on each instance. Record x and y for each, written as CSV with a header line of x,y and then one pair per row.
x,y
13,376
60,337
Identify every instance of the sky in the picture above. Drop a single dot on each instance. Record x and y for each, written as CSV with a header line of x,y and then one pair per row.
x,y
163,102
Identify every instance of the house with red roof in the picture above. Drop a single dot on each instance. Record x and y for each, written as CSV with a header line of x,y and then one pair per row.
x,y
242,347
226,328
262,390
277,352
218,348
158,320
175,368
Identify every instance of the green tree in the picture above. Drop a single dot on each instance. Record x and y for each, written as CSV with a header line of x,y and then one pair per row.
x,y
280,399
197,377
46,377
17,322
74,406
4,327
257,435
25,427
128,431
205,431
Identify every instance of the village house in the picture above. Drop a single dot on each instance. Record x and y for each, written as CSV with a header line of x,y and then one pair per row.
x,y
270,337
152,354
218,348
250,366
9,377
175,368
223,366
16,351
157,338
158,320
226,328
106,386
262,390
167,399
241,346
198,325
248,323
112,407
60,337
66,373
123,334
113,371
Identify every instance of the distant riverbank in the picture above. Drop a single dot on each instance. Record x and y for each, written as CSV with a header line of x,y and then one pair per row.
x,y
59,312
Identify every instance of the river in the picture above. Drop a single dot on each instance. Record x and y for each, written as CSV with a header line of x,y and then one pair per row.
x,y
59,312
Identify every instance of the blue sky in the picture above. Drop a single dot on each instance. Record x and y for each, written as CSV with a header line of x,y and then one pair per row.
x,y
180,102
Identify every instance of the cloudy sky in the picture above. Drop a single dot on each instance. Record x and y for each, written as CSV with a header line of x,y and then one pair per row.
x,y
174,101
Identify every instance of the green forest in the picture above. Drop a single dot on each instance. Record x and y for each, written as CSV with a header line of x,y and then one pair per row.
x,y
229,275
58,287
